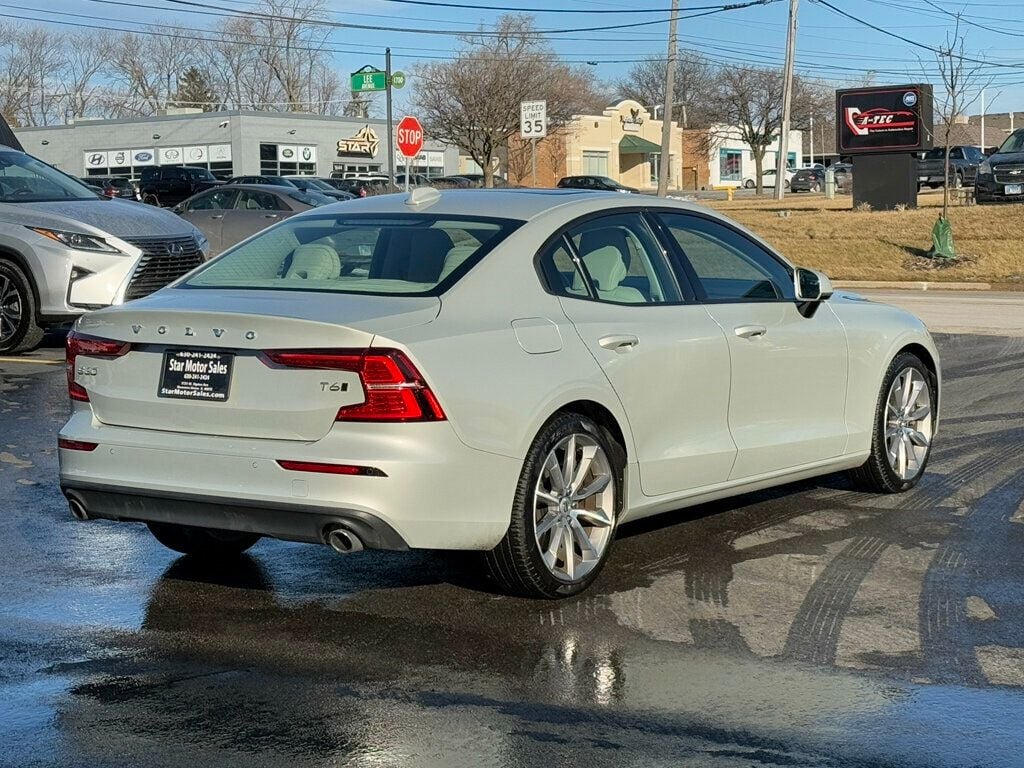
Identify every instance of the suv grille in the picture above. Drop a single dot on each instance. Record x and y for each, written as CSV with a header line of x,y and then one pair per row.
x,y
158,265
1012,173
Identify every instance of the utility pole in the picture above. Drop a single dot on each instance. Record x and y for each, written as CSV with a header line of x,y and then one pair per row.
x,y
787,101
670,85
982,143
391,127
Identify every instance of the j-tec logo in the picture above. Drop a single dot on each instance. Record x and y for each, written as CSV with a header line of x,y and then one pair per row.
x,y
138,328
878,120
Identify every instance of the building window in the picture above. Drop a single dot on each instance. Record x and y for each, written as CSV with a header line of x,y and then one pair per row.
x,y
595,164
271,165
791,160
655,160
429,163
730,164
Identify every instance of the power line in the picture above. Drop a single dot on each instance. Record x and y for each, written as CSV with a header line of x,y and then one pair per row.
x,y
914,43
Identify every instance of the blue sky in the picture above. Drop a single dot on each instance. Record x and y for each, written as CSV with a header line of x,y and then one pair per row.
x,y
829,46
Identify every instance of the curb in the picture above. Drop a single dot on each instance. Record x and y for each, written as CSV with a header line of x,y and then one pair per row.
x,y
912,286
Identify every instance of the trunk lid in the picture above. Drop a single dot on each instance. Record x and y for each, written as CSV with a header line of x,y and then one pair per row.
x,y
262,400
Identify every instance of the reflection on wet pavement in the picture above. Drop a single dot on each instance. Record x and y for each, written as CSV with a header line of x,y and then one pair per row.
x,y
811,625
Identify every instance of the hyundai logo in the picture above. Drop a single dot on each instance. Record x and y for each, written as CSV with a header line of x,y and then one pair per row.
x,y
96,159
175,249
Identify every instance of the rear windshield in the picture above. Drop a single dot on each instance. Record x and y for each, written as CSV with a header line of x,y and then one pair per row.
x,y
405,254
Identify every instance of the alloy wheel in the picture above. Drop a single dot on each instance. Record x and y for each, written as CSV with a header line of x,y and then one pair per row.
x,y
10,308
574,507
908,423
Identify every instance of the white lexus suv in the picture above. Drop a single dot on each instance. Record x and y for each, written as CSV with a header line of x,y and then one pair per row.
x,y
516,372
65,249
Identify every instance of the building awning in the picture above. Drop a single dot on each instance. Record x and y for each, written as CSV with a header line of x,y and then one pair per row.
x,y
636,145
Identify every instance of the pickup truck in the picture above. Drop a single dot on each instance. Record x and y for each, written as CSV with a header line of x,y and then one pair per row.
x,y
169,185
963,166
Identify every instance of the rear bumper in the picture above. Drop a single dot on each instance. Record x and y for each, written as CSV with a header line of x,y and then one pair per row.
x,y
292,522
436,492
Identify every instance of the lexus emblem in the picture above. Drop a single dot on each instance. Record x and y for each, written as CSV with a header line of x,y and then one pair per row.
x,y
175,249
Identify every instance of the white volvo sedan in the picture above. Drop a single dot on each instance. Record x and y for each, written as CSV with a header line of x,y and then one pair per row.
x,y
515,372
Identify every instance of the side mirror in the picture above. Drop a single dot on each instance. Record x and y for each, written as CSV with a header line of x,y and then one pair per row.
x,y
811,286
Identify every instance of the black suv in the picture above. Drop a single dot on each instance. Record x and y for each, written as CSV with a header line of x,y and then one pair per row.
x,y
1001,176
601,183
169,185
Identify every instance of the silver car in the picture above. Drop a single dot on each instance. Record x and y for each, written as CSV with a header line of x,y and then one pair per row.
x,y
65,250
227,215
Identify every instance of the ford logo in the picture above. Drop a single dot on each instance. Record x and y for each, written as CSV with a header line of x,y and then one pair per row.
x,y
143,157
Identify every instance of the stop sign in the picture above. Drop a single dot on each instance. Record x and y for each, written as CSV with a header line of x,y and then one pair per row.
x,y
410,136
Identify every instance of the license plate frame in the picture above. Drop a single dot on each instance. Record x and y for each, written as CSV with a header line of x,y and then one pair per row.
x,y
196,374
1014,189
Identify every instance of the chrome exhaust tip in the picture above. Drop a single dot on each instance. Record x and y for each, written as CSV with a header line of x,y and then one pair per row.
x,y
78,509
344,541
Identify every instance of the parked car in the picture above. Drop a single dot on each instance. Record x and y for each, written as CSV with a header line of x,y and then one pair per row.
x,y
1001,176
168,185
346,352
843,173
808,180
113,186
768,179
599,183
415,180
229,214
477,180
276,181
367,187
313,184
66,250
452,182
358,175
963,166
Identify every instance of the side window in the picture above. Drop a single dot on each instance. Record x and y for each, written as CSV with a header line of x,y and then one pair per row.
x,y
623,261
560,271
217,200
253,200
729,265
956,153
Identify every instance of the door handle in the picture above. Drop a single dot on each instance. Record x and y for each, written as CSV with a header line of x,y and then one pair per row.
x,y
218,216
750,331
620,343
269,215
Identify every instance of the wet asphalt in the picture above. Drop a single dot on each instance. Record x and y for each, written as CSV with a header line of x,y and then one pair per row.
x,y
812,625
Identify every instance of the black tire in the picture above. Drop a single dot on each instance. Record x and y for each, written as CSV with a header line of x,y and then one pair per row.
x,y
151,199
958,181
19,324
516,564
749,184
816,187
202,542
876,474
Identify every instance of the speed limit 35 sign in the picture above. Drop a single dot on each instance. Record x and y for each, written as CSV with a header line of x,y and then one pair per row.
x,y
533,119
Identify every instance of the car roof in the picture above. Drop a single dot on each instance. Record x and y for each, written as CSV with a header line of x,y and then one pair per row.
x,y
272,188
520,204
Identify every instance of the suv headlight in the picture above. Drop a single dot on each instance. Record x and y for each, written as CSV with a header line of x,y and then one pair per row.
x,y
77,240
985,168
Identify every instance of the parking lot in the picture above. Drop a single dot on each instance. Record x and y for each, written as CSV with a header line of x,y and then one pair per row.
x,y
810,625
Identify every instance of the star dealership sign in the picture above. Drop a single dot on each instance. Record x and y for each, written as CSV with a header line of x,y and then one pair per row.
x,y
364,142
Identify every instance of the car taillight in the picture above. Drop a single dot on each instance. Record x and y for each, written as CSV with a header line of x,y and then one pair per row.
x,y
91,346
394,389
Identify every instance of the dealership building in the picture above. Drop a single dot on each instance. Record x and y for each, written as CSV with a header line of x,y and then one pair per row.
x,y
228,144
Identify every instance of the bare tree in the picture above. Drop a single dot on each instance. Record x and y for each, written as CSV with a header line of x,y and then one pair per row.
x,y
963,80
85,57
473,101
692,92
748,104
288,38
144,68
